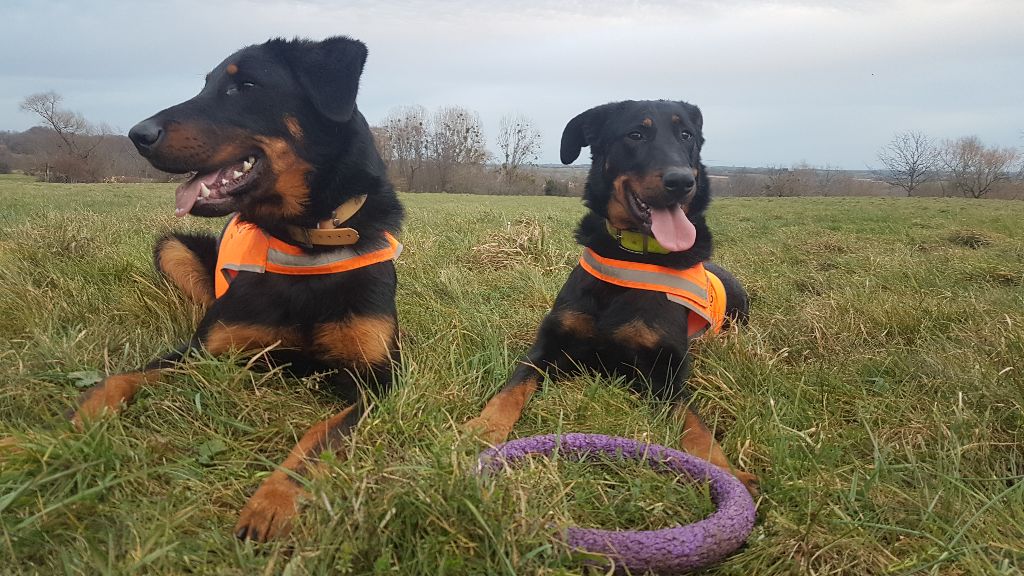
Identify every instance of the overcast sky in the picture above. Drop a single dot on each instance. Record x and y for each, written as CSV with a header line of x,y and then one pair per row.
x,y
778,82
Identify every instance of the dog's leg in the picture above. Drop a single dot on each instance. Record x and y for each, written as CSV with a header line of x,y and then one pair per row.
x,y
271,509
116,390
700,442
188,261
501,413
362,349
545,358
217,337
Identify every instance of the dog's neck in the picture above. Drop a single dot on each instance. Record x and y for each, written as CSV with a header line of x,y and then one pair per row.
x,y
636,242
595,233
331,232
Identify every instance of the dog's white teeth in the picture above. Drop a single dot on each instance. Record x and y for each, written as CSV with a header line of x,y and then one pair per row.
x,y
204,190
237,174
224,181
246,166
252,160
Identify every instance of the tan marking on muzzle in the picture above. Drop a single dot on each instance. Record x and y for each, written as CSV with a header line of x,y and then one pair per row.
x,y
290,171
643,185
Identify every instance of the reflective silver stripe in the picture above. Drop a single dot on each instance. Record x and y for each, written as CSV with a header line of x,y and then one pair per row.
x,y
690,307
644,277
322,259
243,268
310,260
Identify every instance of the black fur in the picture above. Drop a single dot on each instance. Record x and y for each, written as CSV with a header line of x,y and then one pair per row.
x,y
291,104
662,369
314,83
593,325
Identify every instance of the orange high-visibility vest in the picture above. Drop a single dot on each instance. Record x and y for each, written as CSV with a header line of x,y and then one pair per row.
x,y
244,247
700,291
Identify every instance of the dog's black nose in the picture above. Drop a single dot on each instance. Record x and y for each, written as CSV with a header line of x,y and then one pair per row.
x,y
145,135
678,180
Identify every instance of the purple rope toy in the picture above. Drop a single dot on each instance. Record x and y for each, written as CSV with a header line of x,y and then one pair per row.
x,y
666,551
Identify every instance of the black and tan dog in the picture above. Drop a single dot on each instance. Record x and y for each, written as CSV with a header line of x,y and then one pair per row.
x,y
643,289
305,265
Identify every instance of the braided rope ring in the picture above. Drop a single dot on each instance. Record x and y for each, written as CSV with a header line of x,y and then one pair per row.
x,y
665,551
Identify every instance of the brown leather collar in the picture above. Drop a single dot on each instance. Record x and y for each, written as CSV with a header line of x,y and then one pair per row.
x,y
329,232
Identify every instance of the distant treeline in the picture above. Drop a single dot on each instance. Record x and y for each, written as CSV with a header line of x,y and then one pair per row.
x,y
446,152
40,152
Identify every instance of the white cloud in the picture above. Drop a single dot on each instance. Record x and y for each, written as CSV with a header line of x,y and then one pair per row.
x,y
779,82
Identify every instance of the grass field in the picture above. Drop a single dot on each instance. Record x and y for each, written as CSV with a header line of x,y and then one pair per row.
x,y
878,392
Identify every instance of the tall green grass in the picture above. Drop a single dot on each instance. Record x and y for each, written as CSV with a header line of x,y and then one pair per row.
x,y
878,392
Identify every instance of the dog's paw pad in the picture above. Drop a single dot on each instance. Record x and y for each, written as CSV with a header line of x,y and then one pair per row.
x,y
269,512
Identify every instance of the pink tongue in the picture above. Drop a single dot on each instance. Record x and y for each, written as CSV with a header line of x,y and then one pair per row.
x,y
186,194
672,229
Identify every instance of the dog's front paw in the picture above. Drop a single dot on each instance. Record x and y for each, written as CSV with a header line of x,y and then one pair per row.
x,y
749,480
487,431
107,397
270,511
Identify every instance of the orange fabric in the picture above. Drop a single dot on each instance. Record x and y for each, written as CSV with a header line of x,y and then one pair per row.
x,y
245,247
702,308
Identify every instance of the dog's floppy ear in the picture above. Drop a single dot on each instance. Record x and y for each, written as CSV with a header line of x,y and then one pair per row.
x,y
584,130
581,131
694,113
574,138
329,73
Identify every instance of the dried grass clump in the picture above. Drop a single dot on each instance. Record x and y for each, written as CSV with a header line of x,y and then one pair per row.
x,y
523,242
972,239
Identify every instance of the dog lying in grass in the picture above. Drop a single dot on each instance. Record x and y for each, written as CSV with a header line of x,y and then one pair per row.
x,y
305,264
643,290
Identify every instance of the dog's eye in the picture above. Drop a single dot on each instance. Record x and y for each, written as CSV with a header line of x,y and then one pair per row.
x,y
235,88
685,135
635,136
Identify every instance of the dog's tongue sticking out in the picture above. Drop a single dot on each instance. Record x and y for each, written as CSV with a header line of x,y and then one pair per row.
x,y
672,229
186,195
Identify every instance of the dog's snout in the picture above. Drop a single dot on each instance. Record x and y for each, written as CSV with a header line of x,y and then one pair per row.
x,y
678,180
146,135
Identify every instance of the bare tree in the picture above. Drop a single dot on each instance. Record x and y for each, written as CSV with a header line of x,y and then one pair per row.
x,y
382,140
974,169
910,160
76,140
827,176
458,139
71,127
408,137
518,144
1020,169
782,181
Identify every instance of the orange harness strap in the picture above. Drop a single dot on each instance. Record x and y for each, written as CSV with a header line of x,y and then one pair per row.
x,y
700,291
245,247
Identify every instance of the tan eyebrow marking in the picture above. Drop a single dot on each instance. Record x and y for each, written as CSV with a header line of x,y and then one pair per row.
x,y
648,122
676,119
232,68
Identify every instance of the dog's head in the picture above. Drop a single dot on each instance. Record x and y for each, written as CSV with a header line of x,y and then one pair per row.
x,y
252,135
646,173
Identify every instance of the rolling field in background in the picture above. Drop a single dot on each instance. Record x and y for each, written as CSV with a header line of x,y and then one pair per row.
x,y
878,392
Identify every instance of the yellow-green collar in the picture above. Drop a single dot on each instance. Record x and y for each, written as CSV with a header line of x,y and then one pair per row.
x,y
636,242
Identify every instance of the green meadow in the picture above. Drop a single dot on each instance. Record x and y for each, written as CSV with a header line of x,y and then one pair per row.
x,y
878,393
